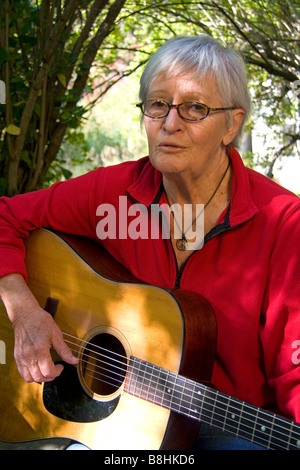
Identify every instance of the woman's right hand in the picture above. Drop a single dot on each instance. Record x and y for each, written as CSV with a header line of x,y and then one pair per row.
x,y
36,333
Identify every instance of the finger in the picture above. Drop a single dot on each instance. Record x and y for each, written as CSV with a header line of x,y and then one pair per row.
x,y
49,371
64,351
24,372
34,372
22,367
40,371
30,373
37,366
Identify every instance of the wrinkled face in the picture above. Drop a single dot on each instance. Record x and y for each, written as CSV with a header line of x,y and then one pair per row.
x,y
176,145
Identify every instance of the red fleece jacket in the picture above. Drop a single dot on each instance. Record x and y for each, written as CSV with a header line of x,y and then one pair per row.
x,y
248,267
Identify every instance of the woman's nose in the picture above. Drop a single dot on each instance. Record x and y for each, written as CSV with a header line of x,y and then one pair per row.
x,y
173,122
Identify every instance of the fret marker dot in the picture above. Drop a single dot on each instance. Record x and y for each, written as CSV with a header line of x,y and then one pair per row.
x,y
263,428
298,443
169,390
199,393
233,416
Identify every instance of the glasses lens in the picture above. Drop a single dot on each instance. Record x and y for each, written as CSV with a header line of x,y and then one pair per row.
x,y
155,108
193,111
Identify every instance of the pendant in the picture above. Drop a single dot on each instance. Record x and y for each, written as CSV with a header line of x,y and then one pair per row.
x,y
181,244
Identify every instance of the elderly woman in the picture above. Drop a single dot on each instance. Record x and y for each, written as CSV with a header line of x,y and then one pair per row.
x,y
194,102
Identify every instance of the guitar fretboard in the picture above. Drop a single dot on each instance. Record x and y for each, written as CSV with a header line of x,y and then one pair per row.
x,y
185,396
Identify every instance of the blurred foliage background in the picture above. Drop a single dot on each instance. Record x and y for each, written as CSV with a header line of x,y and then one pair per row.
x,y
71,70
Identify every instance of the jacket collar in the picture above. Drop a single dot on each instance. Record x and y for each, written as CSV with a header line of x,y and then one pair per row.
x,y
242,206
147,189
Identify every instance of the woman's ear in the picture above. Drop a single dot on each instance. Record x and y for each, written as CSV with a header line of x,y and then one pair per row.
x,y
237,119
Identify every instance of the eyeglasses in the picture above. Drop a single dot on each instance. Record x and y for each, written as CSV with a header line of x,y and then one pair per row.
x,y
189,111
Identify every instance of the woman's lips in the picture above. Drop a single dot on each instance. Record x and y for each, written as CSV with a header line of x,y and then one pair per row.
x,y
170,147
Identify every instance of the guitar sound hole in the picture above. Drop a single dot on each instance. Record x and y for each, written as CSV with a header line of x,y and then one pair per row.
x,y
103,366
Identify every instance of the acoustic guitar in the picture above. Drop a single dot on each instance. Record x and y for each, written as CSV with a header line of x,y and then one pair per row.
x,y
145,358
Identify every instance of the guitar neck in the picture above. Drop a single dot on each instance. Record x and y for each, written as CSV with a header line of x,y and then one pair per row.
x,y
197,401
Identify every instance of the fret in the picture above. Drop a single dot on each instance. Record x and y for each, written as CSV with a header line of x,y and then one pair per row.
x,y
197,401
239,422
213,408
171,392
194,399
159,387
289,441
208,407
262,428
191,405
255,424
246,424
163,387
183,404
178,395
231,413
130,381
157,383
285,434
170,398
294,438
137,384
245,420
159,380
224,405
148,380
139,379
237,417
234,418
220,410
151,383
168,390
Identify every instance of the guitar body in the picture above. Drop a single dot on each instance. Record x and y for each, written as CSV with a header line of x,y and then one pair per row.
x,y
100,303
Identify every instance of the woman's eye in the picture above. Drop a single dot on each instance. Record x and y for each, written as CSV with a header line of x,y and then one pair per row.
x,y
159,104
197,107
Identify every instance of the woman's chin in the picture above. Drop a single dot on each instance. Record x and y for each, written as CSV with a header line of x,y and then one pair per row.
x,y
169,163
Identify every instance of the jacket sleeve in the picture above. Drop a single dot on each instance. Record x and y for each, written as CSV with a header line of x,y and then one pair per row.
x,y
67,206
280,326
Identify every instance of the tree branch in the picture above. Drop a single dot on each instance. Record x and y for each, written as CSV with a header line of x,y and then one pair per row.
x,y
81,80
49,54
279,152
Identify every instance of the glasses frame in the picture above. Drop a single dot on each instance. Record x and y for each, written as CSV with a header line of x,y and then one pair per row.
x,y
177,106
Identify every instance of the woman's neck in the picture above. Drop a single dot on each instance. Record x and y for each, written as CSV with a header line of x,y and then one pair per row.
x,y
211,185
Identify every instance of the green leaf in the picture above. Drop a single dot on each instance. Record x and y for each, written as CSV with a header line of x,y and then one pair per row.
x,y
26,158
67,173
13,130
62,78
4,56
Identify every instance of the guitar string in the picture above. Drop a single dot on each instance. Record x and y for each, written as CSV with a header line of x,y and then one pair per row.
x,y
185,391
124,371
178,385
218,422
204,416
245,404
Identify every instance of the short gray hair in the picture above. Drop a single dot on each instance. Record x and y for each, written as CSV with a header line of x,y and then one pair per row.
x,y
202,56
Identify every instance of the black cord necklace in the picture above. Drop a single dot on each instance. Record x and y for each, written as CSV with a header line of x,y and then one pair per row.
x,y
182,242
